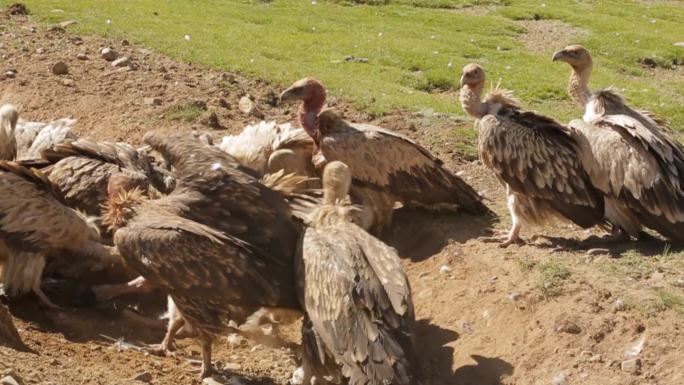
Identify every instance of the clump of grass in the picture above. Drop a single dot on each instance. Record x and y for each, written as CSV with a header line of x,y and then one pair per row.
x,y
632,265
551,278
526,265
671,301
184,112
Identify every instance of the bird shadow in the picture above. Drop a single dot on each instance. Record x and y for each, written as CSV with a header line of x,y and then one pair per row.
x,y
419,233
486,371
648,247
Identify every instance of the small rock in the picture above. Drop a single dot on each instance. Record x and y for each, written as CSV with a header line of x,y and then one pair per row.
x,y
631,366
297,376
40,51
125,42
9,380
569,327
82,56
444,269
60,68
68,82
123,61
619,305
598,251
211,120
152,101
247,106
109,54
679,282
230,78
143,377
560,379
10,74
596,358
223,103
67,23
679,44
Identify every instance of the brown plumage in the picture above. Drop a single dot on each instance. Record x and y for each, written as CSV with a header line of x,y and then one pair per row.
x,y
34,221
536,158
82,168
386,167
638,167
221,244
8,122
356,296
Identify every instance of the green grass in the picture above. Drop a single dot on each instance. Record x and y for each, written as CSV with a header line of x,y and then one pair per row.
x,y
551,277
409,44
184,112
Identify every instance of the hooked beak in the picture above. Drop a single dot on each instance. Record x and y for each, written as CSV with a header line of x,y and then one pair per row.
x,y
463,81
559,55
288,95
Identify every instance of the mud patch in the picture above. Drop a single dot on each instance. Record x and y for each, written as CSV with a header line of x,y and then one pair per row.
x,y
543,36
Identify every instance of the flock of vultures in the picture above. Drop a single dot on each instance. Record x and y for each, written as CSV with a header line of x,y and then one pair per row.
x,y
279,222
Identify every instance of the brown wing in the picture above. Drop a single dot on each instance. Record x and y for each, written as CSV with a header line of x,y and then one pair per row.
x,y
33,216
640,168
204,269
537,157
395,164
220,193
358,300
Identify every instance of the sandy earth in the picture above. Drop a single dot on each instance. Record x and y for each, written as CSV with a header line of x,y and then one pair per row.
x,y
483,318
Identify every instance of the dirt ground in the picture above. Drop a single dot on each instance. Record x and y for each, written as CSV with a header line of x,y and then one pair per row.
x,y
484,317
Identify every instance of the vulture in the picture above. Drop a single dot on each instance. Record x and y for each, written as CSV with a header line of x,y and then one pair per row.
x,y
630,157
267,147
34,137
535,157
8,122
356,295
386,167
35,221
221,244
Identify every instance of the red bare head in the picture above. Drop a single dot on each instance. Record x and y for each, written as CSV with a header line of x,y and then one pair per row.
x,y
312,94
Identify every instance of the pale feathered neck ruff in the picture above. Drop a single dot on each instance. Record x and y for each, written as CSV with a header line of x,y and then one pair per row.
x,y
118,210
332,214
498,98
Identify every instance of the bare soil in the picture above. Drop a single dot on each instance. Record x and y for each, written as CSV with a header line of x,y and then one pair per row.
x,y
486,315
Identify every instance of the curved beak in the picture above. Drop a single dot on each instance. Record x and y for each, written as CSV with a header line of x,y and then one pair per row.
x,y
559,55
463,82
287,95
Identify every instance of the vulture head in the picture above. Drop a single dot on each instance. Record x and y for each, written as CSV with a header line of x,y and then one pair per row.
x,y
8,119
577,56
473,76
336,182
311,93
123,194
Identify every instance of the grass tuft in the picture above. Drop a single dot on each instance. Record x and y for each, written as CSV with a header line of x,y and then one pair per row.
x,y
552,274
184,112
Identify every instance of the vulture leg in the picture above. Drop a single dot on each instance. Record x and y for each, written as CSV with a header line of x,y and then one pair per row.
x,y
35,285
107,292
165,348
513,235
207,370
617,234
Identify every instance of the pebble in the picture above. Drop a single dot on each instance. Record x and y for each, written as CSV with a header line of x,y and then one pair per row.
x,y
598,251
569,327
60,68
444,269
82,56
152,101
68,82
109,54
211,120
10,74
560,379
619,305
247,106
67,23
125,42
40,51
223,103
143,377
123,61
631,366
679,44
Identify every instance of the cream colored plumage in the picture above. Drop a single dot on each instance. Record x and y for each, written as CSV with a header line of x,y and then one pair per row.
x,y
35,221
34,137
8,122
356,295
534,156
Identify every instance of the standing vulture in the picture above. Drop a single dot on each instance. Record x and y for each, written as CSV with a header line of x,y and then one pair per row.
x,y
534,156
221,244
386,167
34,221
8,123
357,298
629,155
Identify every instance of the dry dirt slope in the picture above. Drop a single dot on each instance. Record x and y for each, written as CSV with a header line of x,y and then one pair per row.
x,y
526,315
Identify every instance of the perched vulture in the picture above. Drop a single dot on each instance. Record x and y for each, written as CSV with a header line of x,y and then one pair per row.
x,y
255,146
82,169
386,167
8,123
34,137
357,298
534,156
221,244
629,155
636,165
35,221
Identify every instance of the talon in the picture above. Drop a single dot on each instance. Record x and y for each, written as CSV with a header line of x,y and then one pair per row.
x,y
160,350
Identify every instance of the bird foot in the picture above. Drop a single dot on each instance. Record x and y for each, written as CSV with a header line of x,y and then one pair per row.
x,y
161,350
44,299
512,240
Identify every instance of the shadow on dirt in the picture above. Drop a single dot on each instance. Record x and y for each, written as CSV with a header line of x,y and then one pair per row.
x,y
648,247
419,233
487,371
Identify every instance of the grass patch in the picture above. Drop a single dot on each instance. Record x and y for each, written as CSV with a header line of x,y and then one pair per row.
x,y
287,39
184,112
551,277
